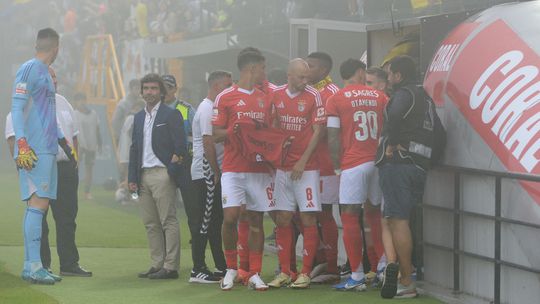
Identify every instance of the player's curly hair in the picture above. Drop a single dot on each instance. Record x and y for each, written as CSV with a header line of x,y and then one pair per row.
x,y
154,78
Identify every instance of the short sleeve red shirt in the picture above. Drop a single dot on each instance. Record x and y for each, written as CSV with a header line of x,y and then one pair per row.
x,y
296,114
235,104
360,111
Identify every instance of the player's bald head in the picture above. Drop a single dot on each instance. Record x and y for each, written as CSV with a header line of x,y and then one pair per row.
x,y
297,65
297,74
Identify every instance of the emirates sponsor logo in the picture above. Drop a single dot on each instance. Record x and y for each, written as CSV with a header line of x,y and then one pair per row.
x,y
292,123
293,119
251,114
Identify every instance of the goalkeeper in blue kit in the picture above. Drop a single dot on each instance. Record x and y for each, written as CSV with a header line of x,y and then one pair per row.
x,y
37,138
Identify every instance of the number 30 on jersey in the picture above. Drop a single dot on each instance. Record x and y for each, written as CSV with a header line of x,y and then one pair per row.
x,y
367,125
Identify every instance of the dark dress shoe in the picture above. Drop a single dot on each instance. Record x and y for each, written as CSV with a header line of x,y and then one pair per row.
x,y
163,274
144,275
75,271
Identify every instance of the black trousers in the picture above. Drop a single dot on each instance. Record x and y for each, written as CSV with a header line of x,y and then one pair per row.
x,y
64,210
194,197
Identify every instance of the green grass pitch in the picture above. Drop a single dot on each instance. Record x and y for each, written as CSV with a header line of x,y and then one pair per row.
x,y
112,243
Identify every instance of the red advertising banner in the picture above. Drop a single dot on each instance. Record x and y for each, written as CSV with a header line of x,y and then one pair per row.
x,y
495,83
442,61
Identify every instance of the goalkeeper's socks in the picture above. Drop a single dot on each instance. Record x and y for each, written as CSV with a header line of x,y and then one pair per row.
x,y
32,237
26,266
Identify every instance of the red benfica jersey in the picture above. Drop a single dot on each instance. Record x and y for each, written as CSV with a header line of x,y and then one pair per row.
x,y
235,104
267,88
360,111
326,165
261,143
296,114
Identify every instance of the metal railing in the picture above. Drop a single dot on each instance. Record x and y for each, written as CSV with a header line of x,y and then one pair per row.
x,y
458,212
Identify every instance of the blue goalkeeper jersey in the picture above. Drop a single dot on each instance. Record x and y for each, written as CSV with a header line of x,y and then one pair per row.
x,y
33,107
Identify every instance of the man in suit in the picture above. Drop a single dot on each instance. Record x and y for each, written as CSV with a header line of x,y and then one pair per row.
x,y
157,149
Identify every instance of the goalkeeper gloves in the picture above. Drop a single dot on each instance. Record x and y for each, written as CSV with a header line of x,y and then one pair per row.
x,y
26,157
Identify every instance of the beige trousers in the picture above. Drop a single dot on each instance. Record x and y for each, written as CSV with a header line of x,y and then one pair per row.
x,y
158,211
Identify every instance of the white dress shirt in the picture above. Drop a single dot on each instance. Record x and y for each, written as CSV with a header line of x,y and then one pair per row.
x,y
9,127
150,159
65,117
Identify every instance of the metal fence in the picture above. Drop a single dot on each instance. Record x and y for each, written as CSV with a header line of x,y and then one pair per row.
x,y
458,212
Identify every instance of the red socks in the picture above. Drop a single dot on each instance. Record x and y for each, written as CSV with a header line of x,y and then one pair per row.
x,y
230,258
255,262
284,236
242,245
311,243
352,237
293,250
330,239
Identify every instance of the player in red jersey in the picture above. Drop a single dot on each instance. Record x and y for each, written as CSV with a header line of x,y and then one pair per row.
x,y
300,113
320,65
243,182
267,88
355,116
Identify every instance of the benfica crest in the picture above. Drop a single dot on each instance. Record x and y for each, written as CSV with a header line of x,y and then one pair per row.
x,y
261,103
301,106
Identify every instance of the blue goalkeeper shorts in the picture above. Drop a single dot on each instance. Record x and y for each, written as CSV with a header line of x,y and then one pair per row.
x,y
41,180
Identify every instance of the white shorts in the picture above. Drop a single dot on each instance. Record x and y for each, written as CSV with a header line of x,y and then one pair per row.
x,y
303,193
329,187
253,189
360,183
